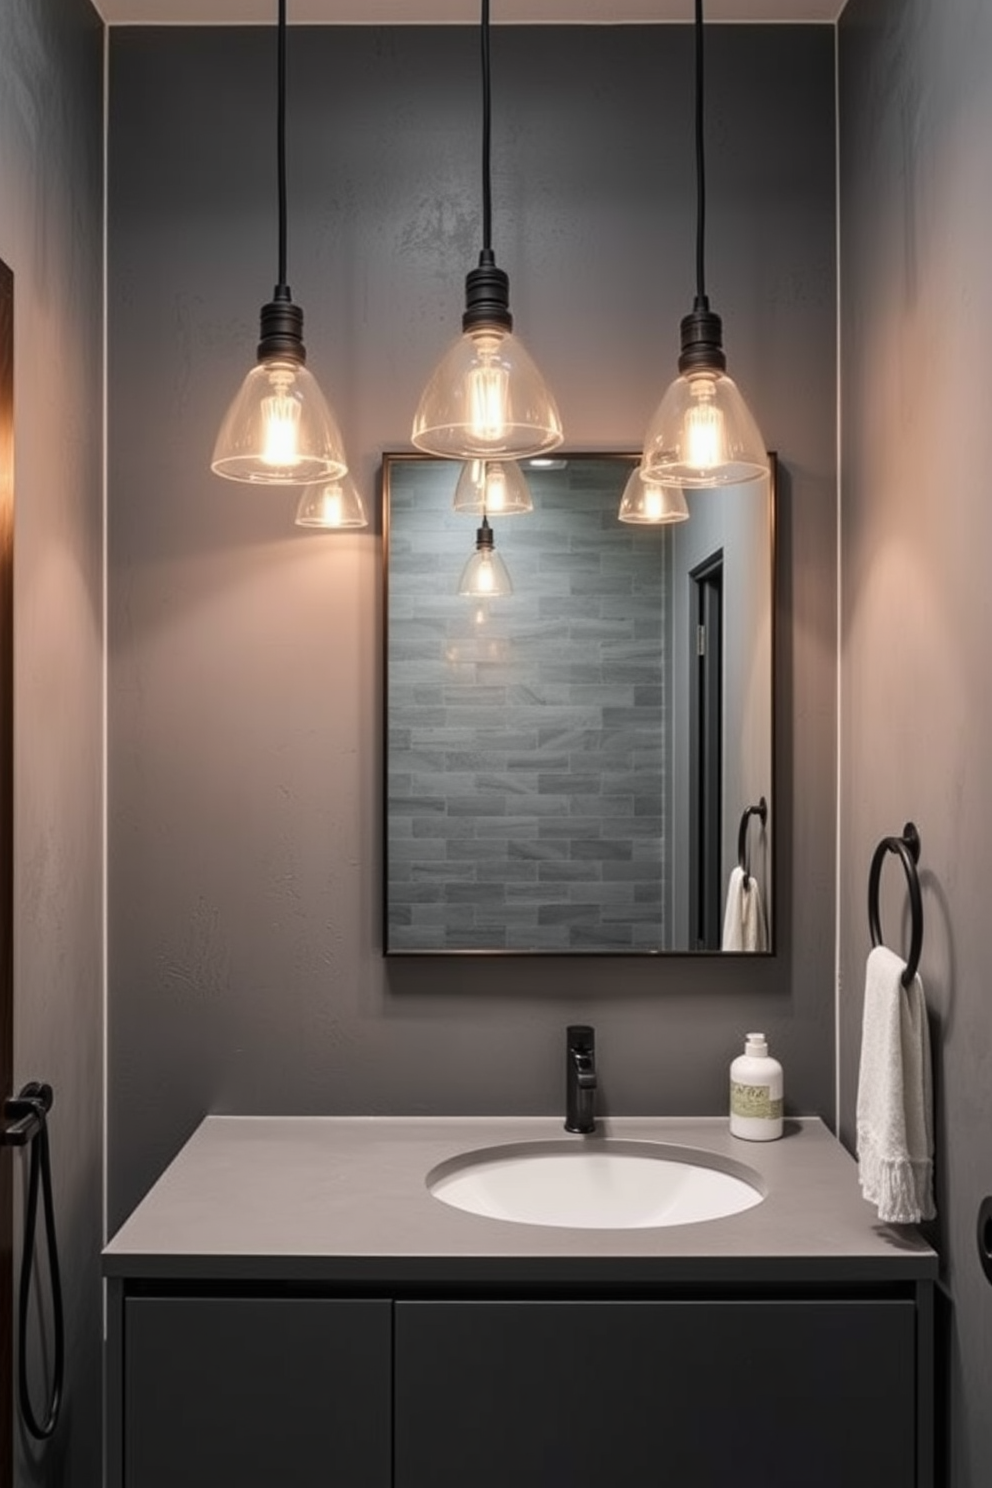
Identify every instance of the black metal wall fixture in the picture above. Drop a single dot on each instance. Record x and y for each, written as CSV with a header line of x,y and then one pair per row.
x,y
907,848
27,1114
743,854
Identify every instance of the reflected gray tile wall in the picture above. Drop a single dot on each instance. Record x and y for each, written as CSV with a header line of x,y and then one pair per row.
x,y
526,735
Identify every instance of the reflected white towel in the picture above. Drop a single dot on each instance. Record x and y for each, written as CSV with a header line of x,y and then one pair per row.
x,y
895,1102
744,918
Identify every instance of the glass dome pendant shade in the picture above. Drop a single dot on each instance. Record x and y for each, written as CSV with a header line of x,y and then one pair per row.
x,y
485,575
279,431
492,486
703,433
650,503
487,398
331,505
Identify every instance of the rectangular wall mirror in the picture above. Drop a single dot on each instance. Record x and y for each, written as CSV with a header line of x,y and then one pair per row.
x,y
576,766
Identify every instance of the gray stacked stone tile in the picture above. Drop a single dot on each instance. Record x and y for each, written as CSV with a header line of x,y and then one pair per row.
x,y
526,750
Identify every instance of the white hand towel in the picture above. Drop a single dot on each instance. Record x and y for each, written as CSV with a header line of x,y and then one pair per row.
x,y
895,1102
744,917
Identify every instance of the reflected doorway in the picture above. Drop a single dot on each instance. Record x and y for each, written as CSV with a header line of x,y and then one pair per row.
x,y
706,753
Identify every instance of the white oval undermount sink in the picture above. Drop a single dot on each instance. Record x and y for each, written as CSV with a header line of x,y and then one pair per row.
x,y
596,1183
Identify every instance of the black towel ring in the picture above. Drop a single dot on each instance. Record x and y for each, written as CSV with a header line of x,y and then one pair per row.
x,y
908,849
743,860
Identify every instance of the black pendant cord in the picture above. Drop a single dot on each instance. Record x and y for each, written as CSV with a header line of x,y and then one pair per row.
x,y
701,301
701,329
487,288
281,144
282,321
487,184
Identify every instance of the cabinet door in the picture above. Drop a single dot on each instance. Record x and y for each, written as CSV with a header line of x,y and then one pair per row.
x,y
762,1394
240,1392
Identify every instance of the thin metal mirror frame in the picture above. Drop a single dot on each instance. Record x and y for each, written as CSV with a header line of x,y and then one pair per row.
x,y
6,857
408,457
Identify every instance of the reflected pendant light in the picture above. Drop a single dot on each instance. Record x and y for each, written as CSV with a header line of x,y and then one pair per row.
x,y
492,486
648,502
279,430
331,505
703,433
487,397
485,575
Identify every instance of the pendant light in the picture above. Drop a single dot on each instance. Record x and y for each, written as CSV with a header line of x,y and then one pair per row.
x,y
279,430
485,575
702,433
648,502
331,505
486,397
496,486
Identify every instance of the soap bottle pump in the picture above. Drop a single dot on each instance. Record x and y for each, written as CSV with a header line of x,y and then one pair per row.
x,y
756,1092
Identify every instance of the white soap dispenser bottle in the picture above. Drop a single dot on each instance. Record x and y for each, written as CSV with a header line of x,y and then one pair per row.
x,y
756,1092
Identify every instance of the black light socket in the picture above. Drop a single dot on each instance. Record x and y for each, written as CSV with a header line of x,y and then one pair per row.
x,y
484,537
487,295
702,340
282,328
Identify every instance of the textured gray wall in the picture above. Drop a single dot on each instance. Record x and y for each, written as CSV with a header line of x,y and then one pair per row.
x,y
51,234
245,688
916,112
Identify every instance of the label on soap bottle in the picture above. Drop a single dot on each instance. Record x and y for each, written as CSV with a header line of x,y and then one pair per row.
x,y
754,1101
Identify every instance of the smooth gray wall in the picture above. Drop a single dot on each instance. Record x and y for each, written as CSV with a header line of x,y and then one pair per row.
x,y
245,685
916,212
51,234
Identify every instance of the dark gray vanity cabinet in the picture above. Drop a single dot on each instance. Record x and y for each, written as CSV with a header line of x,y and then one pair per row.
x,y
812,1393
290,1305
437,1387
254,1392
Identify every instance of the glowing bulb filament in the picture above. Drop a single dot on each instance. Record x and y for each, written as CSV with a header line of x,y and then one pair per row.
x,y
281,418
704,432
654,504
495,488
331,506
488,386
485,579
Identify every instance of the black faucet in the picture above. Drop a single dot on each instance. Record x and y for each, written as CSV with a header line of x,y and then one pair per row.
x,y
580,1078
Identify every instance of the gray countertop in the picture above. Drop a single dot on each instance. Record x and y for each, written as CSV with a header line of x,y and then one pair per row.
x,y
343,1200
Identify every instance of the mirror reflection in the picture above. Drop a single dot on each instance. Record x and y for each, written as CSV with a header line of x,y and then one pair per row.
x,y
578,712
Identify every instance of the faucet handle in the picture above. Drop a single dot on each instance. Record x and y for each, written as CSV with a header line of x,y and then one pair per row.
x,y
581,1038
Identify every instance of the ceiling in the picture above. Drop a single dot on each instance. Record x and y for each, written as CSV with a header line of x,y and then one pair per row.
x,y
456,12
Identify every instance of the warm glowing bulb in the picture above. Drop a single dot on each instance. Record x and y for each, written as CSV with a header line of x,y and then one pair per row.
x,y
485,579
281,425
488,388
653,502
495,487
704,435
331,506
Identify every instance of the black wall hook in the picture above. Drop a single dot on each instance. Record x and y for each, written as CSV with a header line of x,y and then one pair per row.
x,y
907,848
